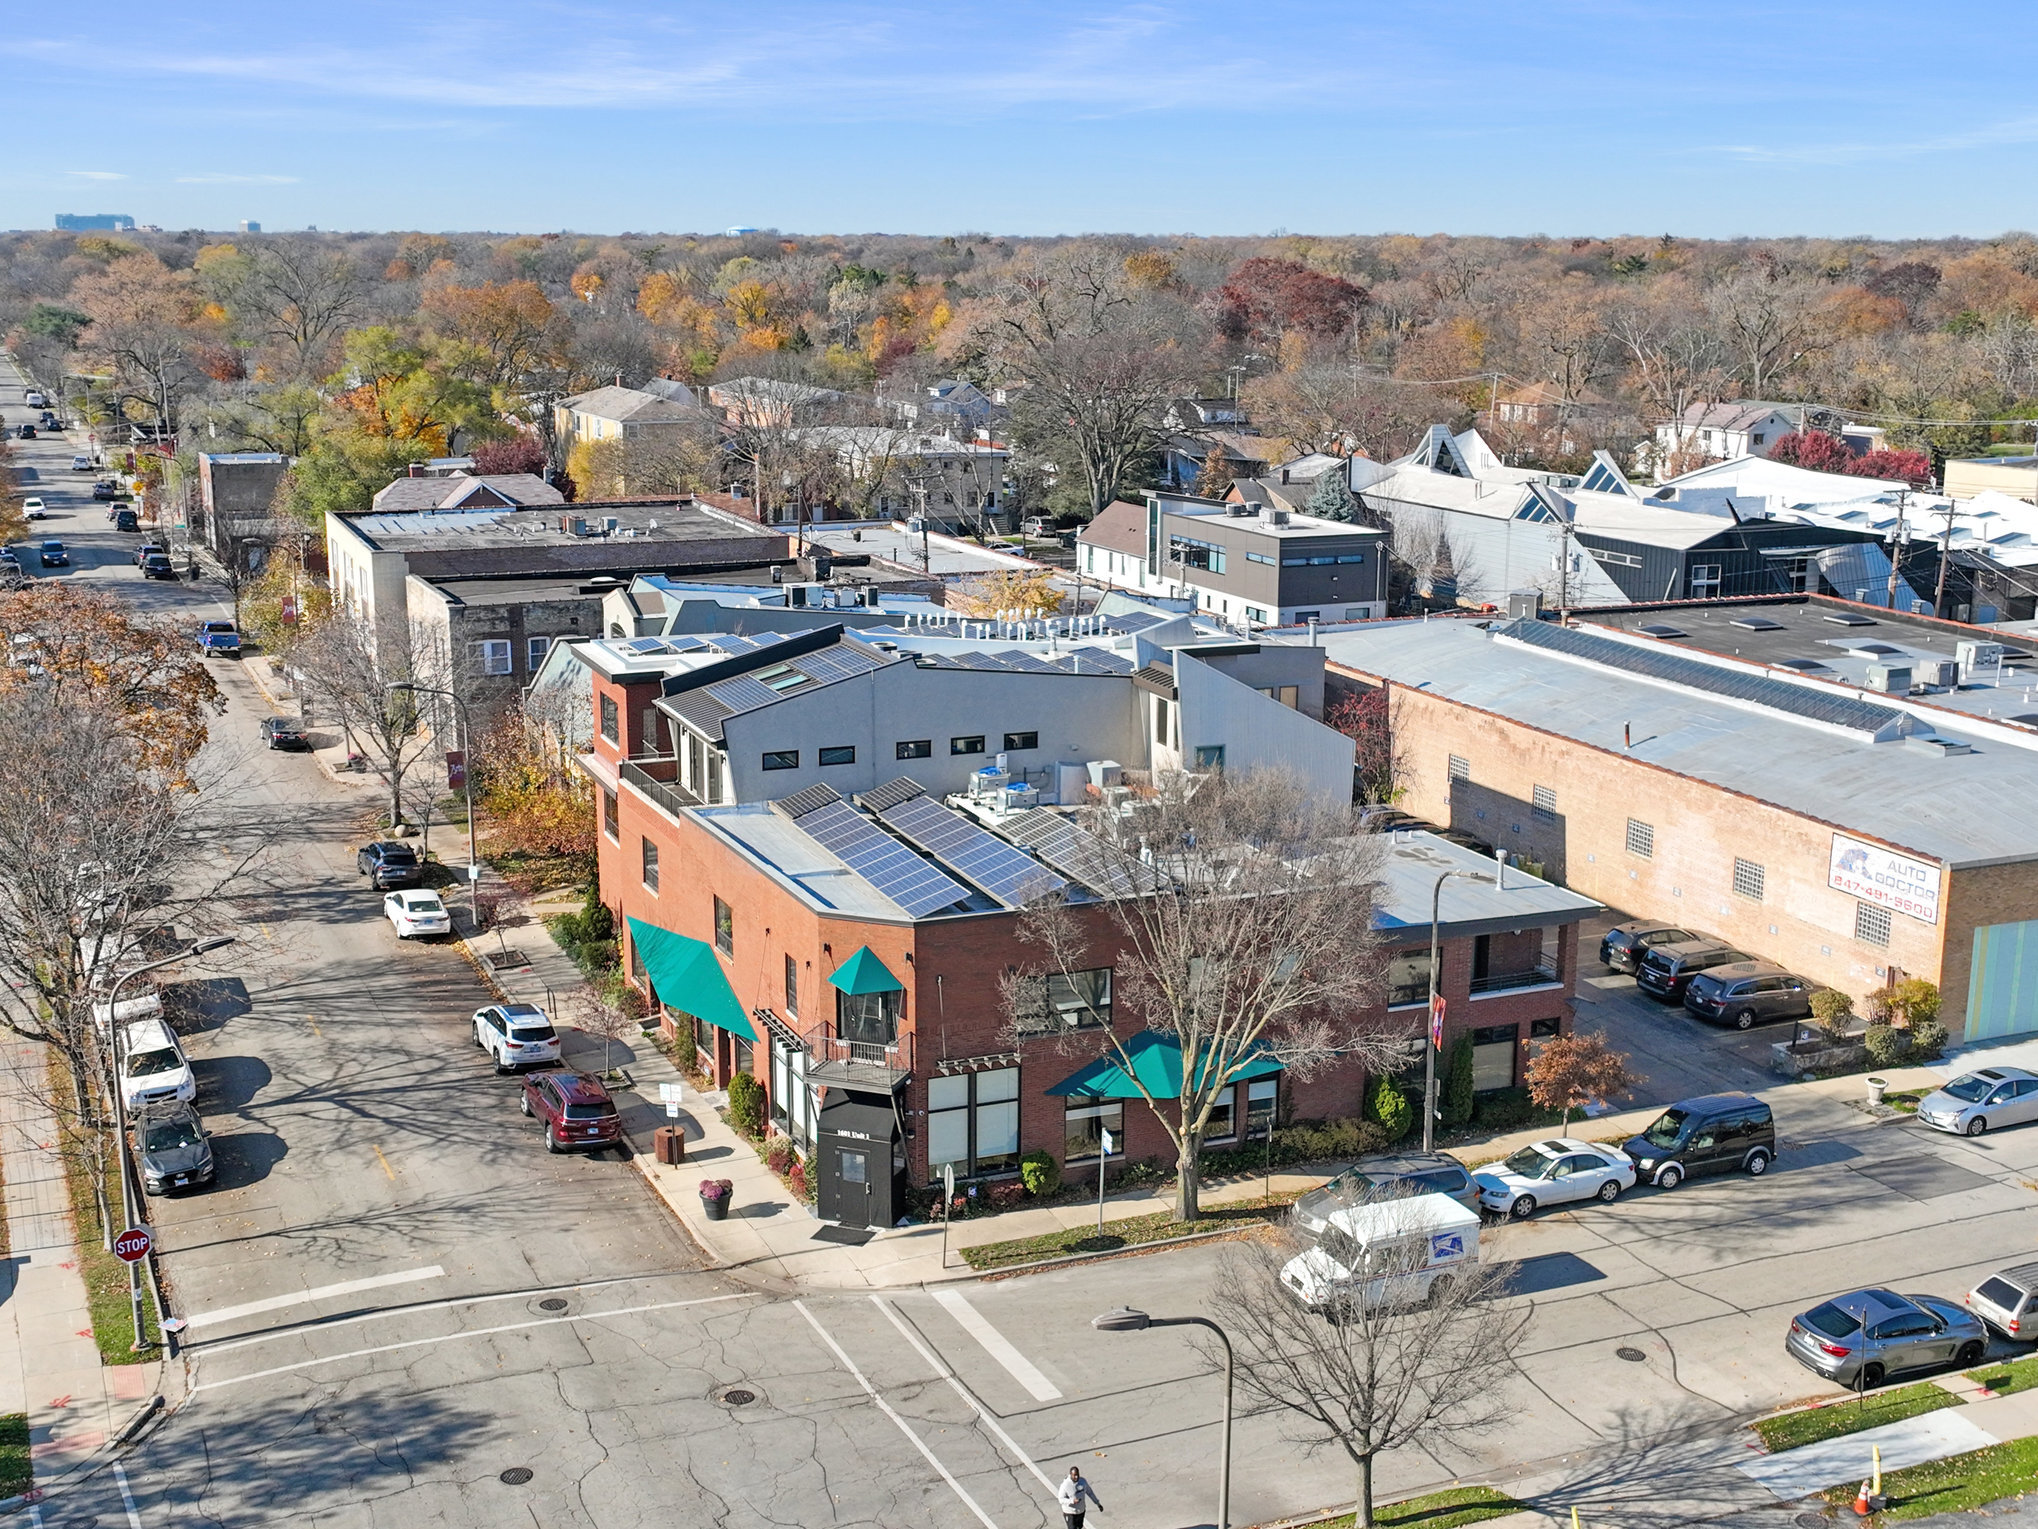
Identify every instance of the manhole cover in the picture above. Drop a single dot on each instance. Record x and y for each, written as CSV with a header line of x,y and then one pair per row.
x,y
1811,1521
552,1303
1631,1355
515,1476
507,960
739,1397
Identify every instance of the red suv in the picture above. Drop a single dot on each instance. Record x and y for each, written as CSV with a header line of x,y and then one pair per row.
x,y
576,1110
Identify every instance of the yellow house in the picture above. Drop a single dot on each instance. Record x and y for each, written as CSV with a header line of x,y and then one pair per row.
x,y
2015,476
616,413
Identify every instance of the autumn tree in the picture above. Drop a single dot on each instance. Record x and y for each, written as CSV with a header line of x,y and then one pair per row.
x,y
518,453
1422,1364
1367,718
535,800
1814,450
1102,357
1027,596
1264,300
359,673
1568,1072
506,325
1244,929
142,316
1214,477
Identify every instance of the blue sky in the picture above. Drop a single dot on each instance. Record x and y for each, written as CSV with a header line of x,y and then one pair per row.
x,y
1027,116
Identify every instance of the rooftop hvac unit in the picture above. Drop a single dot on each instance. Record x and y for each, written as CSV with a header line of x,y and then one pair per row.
x,y
1935,671
1891,679
1980,663
1021,797
609,524
1277,517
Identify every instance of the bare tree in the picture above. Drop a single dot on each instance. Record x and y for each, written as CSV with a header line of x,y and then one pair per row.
x,y
301,295
1676,360
1421,542
1389,1365
357,670
1767,317
594,1015
1250,934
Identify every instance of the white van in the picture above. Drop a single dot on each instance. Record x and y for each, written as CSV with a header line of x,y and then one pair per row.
x,y
1390,1252
154,1068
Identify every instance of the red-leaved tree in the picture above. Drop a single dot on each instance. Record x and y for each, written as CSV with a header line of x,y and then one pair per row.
x,y
519,453
1266,298
1912,467
1813,450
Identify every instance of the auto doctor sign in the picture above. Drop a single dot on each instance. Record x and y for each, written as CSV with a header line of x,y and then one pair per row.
x,y
1885,878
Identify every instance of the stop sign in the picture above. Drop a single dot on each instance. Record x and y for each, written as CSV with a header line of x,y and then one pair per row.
x,y
132,1245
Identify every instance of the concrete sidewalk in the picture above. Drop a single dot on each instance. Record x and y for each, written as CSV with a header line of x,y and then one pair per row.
x,y
51,1369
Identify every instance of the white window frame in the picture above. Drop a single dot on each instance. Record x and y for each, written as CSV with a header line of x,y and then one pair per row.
x,y
493,655
535,651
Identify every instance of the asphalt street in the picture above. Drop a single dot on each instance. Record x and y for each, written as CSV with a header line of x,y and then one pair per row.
x,y
405,1312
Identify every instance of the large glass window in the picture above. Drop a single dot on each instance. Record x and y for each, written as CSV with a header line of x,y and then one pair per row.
x,y
1222,1126
1493,1056
1075,1001
792,1108
1262,1099
868,1019
1083,1123
1193,552
725,928
1408,977
610,718
973,1122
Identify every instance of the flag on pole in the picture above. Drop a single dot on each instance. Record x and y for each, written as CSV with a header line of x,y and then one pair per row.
x,y
1436,1021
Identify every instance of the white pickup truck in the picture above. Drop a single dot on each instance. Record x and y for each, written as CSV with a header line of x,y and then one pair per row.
x,y
1391,1252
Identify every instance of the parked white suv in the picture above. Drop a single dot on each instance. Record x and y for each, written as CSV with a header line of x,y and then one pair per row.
x,y
154,1068
516,1035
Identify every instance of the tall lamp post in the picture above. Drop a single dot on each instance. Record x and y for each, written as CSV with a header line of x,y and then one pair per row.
x,y
1434,1038
119,1049
1127,1319
466,784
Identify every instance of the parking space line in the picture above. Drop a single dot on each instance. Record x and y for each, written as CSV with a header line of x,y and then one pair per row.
x,y
134,1519
962,1391
998,1346
885,1407
322,1293
479,1332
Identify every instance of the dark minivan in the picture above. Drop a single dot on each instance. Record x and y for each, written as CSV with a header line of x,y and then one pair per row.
x,y
1747,994
1718,1133
1623,946
1667,970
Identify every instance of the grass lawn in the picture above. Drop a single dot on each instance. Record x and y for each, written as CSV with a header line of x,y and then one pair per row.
x,y
1948,1486
1135,1231
106,1277
1817,1423
1906,1102
2003,1379
14,1470
1440,1510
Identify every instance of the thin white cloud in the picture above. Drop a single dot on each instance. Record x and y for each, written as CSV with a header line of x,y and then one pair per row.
x,y
97,175
237,180
2009,132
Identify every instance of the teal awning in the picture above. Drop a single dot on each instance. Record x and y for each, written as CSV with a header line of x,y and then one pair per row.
x,y
689,978
1156,1062
864,973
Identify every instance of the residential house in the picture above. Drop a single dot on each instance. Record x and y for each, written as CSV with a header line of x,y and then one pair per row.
x,y
619,414
955,484
425,492
1752,427
767,402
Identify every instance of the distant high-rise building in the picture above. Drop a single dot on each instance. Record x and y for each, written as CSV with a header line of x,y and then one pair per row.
x,y
111,221
250,226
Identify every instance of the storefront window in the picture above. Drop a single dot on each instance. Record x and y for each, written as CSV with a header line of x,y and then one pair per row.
x,y
1085,1121
1261,1101
973,1122
792,1109
1493,1056
1223,1122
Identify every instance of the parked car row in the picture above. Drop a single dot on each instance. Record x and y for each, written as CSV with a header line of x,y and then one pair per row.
x,y
1712,979
574,1108
172,1147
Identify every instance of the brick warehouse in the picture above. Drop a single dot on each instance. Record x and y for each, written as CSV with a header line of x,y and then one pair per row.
x,y
1851,836
871,1008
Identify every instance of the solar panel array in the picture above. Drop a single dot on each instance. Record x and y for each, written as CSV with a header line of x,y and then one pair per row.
x,y
1079,661
1078,855
800,803
890,794
1774,695
994,865
881,860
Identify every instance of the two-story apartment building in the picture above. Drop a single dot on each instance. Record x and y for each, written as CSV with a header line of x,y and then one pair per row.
x,y
1246,564
851,952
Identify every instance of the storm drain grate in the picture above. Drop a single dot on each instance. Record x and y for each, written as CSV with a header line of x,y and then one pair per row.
x,y
516,1476
551,1303
1631,1355
739,1397
507,960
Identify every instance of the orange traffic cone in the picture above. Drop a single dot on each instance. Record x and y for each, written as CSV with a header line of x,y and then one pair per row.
x,y
1861,1500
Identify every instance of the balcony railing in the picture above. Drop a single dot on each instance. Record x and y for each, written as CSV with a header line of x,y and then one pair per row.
x,y
1542,974
668,794
836,1060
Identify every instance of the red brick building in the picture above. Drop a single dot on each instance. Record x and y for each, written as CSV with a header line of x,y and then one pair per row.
x,y
853,958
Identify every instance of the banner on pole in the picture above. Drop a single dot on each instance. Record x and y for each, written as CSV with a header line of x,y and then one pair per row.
x,y
1436,1021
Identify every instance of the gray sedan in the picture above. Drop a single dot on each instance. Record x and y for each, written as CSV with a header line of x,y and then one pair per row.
x,y
1867,1335
1980,1101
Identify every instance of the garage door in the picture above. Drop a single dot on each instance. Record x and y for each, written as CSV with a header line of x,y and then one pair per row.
x,y
2002,993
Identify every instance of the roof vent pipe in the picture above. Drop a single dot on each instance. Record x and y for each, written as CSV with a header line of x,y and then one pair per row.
x,y
1500,870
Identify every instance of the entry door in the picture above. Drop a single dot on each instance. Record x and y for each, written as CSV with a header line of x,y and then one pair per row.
x,y
852,1178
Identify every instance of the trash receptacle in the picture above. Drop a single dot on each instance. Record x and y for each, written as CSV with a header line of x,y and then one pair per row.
x,y
668,1144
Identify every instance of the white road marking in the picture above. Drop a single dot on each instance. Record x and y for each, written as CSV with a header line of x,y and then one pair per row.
x,y
885,1407
998,1346
962,1391
134,1519
479,1332
322,1293
278,1334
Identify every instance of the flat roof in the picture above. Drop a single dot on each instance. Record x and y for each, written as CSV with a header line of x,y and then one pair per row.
x,y
1972,807
647,525
1843,639
1471,904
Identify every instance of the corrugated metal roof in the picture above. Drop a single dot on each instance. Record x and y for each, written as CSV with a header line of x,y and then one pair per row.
x,y
1659,664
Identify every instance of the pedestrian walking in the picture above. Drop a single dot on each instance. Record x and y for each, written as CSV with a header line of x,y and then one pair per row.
x,y
1071,1494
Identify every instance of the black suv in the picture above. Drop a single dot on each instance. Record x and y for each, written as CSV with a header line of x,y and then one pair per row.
x,y
1717,1133
1667,970
1623,946
388,864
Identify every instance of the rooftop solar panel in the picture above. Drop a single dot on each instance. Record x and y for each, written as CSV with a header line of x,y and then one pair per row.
x,y
881,860
1076,854
742,693
889,794
955,841
802,802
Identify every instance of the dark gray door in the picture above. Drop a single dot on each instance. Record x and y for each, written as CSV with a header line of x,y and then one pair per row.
x,y
852,1175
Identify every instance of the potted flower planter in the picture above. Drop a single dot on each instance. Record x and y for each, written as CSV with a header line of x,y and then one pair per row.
x,y
715,1195
1875,1089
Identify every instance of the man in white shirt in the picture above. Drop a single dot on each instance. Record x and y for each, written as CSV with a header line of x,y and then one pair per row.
x,y
1071,1495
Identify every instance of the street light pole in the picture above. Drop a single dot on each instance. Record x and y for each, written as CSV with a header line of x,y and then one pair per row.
x,y
1434,1037
119,1049
467,788
1127,1319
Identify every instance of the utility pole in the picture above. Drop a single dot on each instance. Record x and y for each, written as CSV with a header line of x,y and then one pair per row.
x,y
1945,543
1903,537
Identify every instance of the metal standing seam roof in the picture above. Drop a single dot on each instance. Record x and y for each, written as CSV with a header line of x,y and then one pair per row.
x,y
1776,695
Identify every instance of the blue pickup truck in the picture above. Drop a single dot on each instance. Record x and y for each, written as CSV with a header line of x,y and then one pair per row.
x,y
219,639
